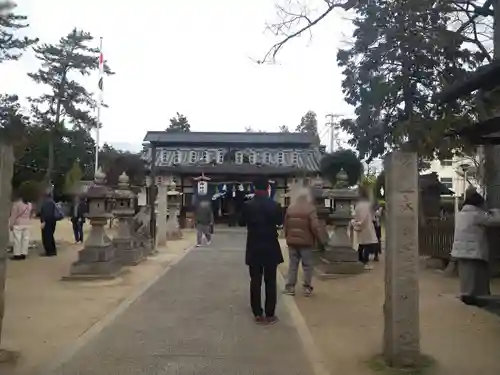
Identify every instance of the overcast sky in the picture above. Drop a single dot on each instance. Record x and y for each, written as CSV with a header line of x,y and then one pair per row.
x,y
192,57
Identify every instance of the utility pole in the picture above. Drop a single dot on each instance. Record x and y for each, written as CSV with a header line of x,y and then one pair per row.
x,y
334,126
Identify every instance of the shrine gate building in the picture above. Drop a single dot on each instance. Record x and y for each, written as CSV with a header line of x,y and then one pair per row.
x,y
229,163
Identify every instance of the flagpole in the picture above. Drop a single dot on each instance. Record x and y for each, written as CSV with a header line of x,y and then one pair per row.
x,y
99,105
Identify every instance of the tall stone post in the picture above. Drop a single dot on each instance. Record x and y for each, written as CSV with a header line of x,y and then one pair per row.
x,y
161,217
6,169
401,307
492,159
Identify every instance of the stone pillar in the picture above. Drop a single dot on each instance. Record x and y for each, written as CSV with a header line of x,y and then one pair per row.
x,y
173,230
401,307
97,260
161,216
6,169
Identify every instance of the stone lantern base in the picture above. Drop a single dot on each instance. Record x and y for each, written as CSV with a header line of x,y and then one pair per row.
x,y
128,251
95,263
97,260
339,258
346,264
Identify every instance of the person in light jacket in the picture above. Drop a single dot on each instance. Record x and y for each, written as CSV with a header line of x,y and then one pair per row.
x,y
362,224
19,224
470,247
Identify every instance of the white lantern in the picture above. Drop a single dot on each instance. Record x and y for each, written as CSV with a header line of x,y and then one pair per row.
x,y
202,188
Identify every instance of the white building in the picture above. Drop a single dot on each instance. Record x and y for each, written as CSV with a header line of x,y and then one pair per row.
x,y
451,173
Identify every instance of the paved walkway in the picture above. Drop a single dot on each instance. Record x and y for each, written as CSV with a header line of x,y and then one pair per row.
x,y
195,321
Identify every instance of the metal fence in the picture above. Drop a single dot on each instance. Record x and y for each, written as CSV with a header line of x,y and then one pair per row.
x,y
435,237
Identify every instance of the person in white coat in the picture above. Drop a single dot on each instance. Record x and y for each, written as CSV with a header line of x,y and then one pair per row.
x,y
19,225
362,224
470,247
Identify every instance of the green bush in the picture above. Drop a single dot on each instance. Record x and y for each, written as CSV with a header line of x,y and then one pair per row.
x,y
331,164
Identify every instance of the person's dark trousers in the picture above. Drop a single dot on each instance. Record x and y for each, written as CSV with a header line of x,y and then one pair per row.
x,y
257,272
48,241
378,232
364,253
78,230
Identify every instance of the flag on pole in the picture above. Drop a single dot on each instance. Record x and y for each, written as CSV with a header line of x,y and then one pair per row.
x,y
99,104
101,70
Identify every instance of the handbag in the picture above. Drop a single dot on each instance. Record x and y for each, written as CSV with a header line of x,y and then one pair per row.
x,y
58,214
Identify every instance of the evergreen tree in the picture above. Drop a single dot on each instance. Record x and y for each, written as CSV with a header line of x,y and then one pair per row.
x,y
11,45
308,123
179,124
284,129
115,162
402,55
67,101
12,121
73,177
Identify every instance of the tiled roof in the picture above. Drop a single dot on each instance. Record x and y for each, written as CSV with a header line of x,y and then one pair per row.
x,y
243,169
222,137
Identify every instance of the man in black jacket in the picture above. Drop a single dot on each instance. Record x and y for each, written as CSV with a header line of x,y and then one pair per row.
x,y
49,216
78,211
262,216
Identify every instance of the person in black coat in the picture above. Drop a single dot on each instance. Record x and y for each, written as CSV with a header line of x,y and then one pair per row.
x,y
262,216
77,217
50,214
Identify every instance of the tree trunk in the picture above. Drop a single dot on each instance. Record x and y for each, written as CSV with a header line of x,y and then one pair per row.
x,y
50,167
6,170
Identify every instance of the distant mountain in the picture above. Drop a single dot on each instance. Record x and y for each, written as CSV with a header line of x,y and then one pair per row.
x,y
126,146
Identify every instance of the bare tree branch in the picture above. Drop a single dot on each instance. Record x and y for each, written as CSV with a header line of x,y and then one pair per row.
x,y
301,19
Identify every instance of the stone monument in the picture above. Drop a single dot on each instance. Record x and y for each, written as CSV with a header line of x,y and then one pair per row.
x,y
401,307
127,247
173,229
339,256
97,259
161,215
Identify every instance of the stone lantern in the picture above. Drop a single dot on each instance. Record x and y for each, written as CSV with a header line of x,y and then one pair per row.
x,y
339,257
97,259
127,248
318,194
174,204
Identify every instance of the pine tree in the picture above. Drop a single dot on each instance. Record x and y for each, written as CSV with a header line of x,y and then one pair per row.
x,y
179,124
284,129
402,54
11,45
67,101
308,123
12,120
